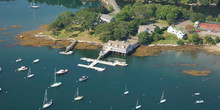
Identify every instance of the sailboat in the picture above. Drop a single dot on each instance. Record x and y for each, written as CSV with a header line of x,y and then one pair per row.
x,y
77,97
162,100
45,102
29,75
55,84
126,91
137,105
33,5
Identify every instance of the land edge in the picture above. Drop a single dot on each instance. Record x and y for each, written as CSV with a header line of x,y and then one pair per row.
x,y
27,38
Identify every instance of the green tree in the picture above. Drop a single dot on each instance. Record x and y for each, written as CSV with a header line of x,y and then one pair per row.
x,y
217,40
64,19
209,18
196,40
180,42
218,18
209,40
144,38
157,30
185,37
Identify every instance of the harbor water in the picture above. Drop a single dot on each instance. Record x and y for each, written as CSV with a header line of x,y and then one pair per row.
x,y
146,77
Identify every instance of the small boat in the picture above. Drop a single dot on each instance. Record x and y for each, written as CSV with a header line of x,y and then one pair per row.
x,y
197,93
33,5
0,69
45,102
0,89
55,84
126,91
18,60
29,75
83,78
77,97
162,100
37,60
66,53
62,71
137,105
22,68
200,101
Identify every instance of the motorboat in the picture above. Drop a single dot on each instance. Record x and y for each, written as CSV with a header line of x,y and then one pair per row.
x,y
83,78
33,5
46,104
62,71
200,101
37,60
18,60
197,94
66,53
22,68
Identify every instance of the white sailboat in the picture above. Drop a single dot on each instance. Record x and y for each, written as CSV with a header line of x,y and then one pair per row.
x,y
77,97
126,91
29,75
33,5
137,105
18,60
45,102
55,84
162,100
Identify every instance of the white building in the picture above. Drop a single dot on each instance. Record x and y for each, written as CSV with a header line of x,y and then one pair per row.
x,y
177,31
107,18
120,46
196,24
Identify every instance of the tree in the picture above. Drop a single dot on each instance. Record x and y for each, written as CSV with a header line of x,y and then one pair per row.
x,y
157,37
103,10
64,19
209,18
218,18
144,38
185,37
196,40
217,40
180,42
209,40
157,30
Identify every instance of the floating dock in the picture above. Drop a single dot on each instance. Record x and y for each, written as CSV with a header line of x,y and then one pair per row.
x,y
95,61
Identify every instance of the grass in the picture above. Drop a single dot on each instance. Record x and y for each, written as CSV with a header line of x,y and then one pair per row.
x,y
169,39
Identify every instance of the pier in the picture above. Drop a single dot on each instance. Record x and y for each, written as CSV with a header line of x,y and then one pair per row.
x,y
96,61
69,47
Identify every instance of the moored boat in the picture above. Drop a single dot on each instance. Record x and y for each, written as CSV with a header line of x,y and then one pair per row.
x,y
126,91
62,71
55,84
197,93
29,75
18,60
162,100
137,105
200,101
83,78
0,69
33,5
37,60
77,97
46,104
22,68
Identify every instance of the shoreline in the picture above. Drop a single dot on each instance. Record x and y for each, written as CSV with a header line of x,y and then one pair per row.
x,y
28,38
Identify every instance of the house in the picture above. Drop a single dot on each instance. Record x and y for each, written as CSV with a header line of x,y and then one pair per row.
x,y
196,24
209,27
107,18
120,46
179,32
148,28
143,28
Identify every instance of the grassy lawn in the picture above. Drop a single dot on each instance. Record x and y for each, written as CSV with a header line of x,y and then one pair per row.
x,y
169,39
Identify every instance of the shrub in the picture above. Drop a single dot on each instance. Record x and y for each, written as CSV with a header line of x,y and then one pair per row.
x,y
185,37
180,42
217,40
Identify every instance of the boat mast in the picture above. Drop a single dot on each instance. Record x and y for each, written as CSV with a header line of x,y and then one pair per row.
x,y
55,79
77,92
125,88
45,97
29,72
162,96
137,103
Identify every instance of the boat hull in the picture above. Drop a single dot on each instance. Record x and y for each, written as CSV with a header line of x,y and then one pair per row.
x,y
47,104
78,98
163,101
137,107
126,92
30,76
56,84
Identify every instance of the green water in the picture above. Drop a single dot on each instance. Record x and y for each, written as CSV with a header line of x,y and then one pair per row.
x,y
103,89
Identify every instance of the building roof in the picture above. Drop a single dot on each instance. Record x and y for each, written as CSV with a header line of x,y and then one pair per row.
x,y
117,44
142,28
209,26
179,29
106,17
